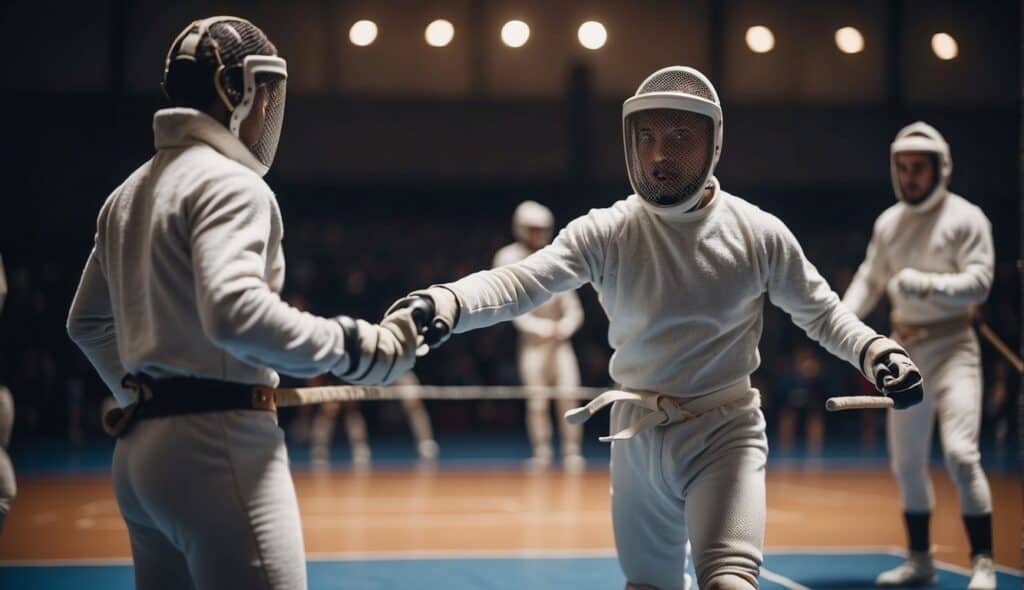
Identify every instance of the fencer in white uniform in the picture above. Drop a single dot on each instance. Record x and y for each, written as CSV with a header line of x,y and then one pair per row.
x,y
178,310
682,268
8,485
932,254
546,357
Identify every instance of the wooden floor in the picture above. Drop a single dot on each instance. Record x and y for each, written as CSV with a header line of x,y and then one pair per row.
x,y
400,511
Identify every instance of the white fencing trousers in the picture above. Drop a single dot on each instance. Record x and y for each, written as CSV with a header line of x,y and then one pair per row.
x,y
553,364
702,478
951,368
209,503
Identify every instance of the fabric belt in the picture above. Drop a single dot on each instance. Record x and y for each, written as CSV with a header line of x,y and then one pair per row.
x,y
905,333
176,396
662,409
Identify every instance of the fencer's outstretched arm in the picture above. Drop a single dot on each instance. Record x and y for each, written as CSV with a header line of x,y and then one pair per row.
x,y
796,286
528,323
799,289
575,257
869,282
91,324
229,231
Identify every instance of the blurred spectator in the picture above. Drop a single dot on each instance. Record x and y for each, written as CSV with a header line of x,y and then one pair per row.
x,y
804,388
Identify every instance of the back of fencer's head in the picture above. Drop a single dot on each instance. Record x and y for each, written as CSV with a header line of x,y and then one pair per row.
x,y
208,53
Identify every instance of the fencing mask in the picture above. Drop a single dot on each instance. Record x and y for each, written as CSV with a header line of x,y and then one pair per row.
x,y
532,215
230,59
672,130
920,137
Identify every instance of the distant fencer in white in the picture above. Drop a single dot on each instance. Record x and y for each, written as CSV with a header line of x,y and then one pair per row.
x,y
545,354
932,253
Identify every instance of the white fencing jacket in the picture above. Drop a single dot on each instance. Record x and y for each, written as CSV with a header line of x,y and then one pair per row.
x,y
185,274
684,293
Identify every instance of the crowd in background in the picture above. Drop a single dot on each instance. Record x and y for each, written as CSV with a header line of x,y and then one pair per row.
x,y
358,266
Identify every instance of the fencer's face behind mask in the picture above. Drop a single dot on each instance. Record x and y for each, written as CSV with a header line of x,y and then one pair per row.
x,y
675,150
672,130
251,129
916,173
537,237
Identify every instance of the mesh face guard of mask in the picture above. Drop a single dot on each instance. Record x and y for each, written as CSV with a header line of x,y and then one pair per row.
x,y
672,132
249,78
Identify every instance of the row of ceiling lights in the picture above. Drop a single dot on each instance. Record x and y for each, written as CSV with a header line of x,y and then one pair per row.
x,y
593,35
760,39
514,33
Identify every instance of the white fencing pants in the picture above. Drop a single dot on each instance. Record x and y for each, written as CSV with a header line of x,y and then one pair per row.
x,y
702,479
209,503
550,364
951,368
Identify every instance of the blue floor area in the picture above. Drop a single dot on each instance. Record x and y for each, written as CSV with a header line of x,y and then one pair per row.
x,y
458,451
833,571
857,571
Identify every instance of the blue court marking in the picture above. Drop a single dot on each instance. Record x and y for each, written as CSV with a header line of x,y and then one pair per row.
x,y
813,570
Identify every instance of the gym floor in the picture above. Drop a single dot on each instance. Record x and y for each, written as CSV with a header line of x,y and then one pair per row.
x,y
477,520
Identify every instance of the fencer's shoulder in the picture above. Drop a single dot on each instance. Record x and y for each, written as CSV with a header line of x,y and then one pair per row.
x,y
618,211
124,190
222,179
749,215
740,206
606,220
889,219
964,211
220,170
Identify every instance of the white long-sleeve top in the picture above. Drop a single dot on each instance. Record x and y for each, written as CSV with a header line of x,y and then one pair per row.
x,y
951,240
186,270
684,295
555,320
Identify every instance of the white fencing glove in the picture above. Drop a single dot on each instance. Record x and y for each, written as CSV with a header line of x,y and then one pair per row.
x,y
379,353
889,367
443,314
914,283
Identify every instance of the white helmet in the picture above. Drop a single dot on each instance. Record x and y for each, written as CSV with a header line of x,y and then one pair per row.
x,y
532,214
922,137
681,186
230,59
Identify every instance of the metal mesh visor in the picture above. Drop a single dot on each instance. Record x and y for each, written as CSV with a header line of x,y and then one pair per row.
x,y
678,80
265,147
236,39
669,154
